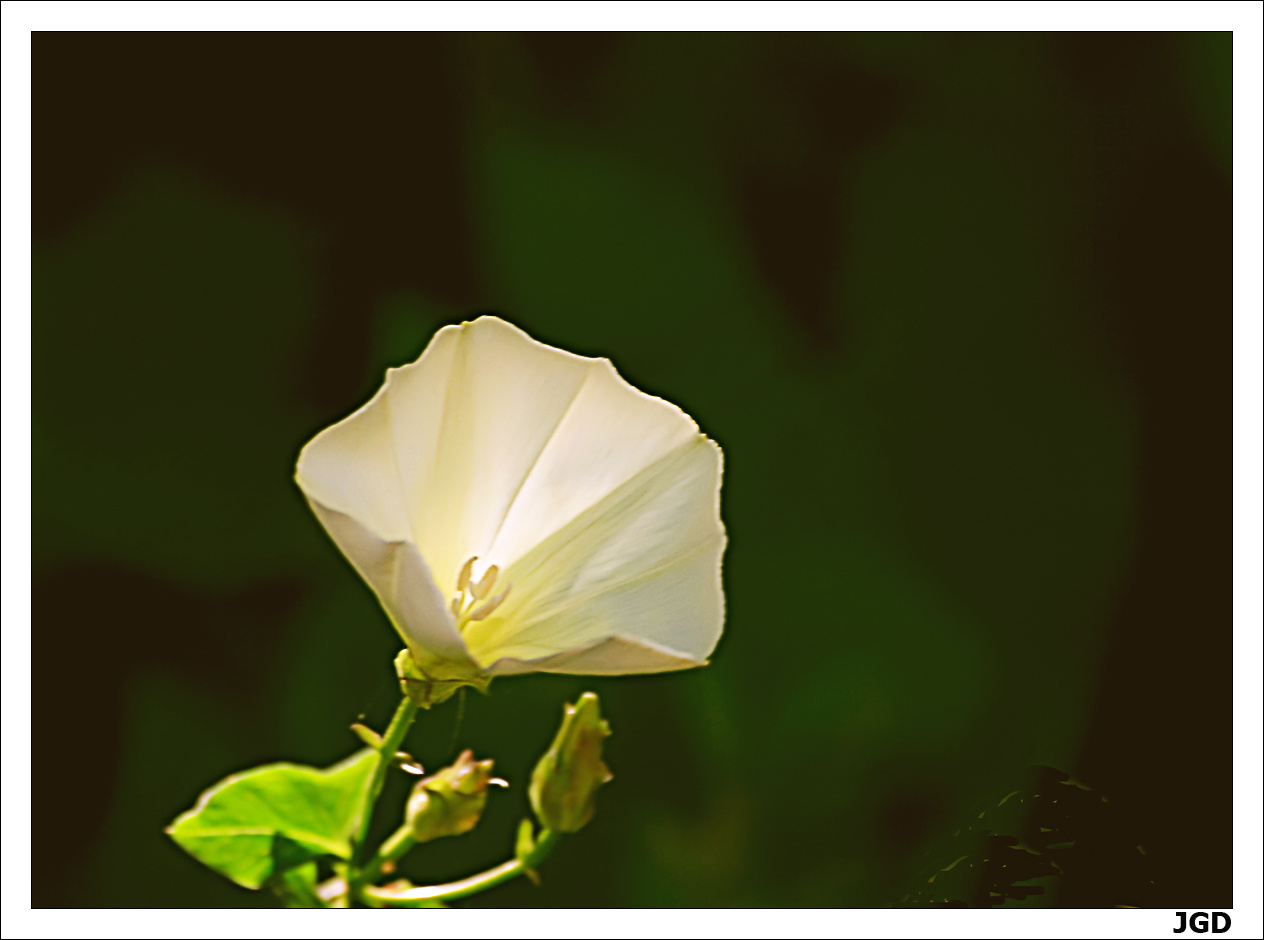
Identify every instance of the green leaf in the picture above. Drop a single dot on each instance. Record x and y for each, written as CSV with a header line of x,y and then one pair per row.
x,y
262,822
297,886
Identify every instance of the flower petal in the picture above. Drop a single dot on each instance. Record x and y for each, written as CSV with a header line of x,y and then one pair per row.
x,y
610,433
505,394
613,656
399,577
351,468
642,563
350,475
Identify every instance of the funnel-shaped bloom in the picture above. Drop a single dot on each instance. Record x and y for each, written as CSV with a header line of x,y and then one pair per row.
x,y
517,508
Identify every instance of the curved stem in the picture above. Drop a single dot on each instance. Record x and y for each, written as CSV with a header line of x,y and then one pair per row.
x,y
391,741
426,896
392,850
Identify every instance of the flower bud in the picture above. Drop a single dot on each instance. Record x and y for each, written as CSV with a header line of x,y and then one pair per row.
x,y
450,802
564,784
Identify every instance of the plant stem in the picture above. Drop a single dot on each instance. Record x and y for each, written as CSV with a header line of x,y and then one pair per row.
x,y
392,850
426,896
391,741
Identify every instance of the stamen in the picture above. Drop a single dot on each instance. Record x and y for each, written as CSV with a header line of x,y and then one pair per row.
x,y
463,579
487,609
484,586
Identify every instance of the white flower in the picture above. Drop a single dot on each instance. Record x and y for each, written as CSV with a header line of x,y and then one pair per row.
x,y
517,508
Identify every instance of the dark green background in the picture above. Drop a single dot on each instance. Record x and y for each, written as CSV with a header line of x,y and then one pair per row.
x,y
956,306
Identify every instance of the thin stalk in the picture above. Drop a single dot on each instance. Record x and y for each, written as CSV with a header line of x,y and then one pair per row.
x,y
426,896
391,741
392,850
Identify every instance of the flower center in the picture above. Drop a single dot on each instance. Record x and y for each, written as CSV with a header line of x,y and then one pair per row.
x,y
473,600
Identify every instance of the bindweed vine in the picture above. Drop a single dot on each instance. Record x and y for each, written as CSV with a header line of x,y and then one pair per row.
x,y
516,509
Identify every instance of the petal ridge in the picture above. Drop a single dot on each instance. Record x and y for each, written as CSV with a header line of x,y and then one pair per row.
x,y
535,461
659,516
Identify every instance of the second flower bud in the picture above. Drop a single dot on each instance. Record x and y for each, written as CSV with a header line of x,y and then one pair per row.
x,y
450,802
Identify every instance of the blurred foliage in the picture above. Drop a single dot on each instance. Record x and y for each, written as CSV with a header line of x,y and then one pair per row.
x,y
1078,848
878,269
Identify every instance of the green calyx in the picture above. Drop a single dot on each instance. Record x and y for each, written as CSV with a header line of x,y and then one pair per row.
x,y
425,691
564,784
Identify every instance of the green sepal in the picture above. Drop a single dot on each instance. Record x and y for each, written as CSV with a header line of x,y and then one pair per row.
x,y
253,826
367,735
425,691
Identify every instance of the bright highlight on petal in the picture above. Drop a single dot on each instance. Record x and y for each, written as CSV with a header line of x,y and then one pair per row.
x,y
517,508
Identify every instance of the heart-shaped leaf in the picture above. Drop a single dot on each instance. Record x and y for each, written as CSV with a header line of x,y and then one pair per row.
x,y
261,822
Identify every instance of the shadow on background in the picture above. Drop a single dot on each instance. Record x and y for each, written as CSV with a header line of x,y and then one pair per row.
x,y
957,307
